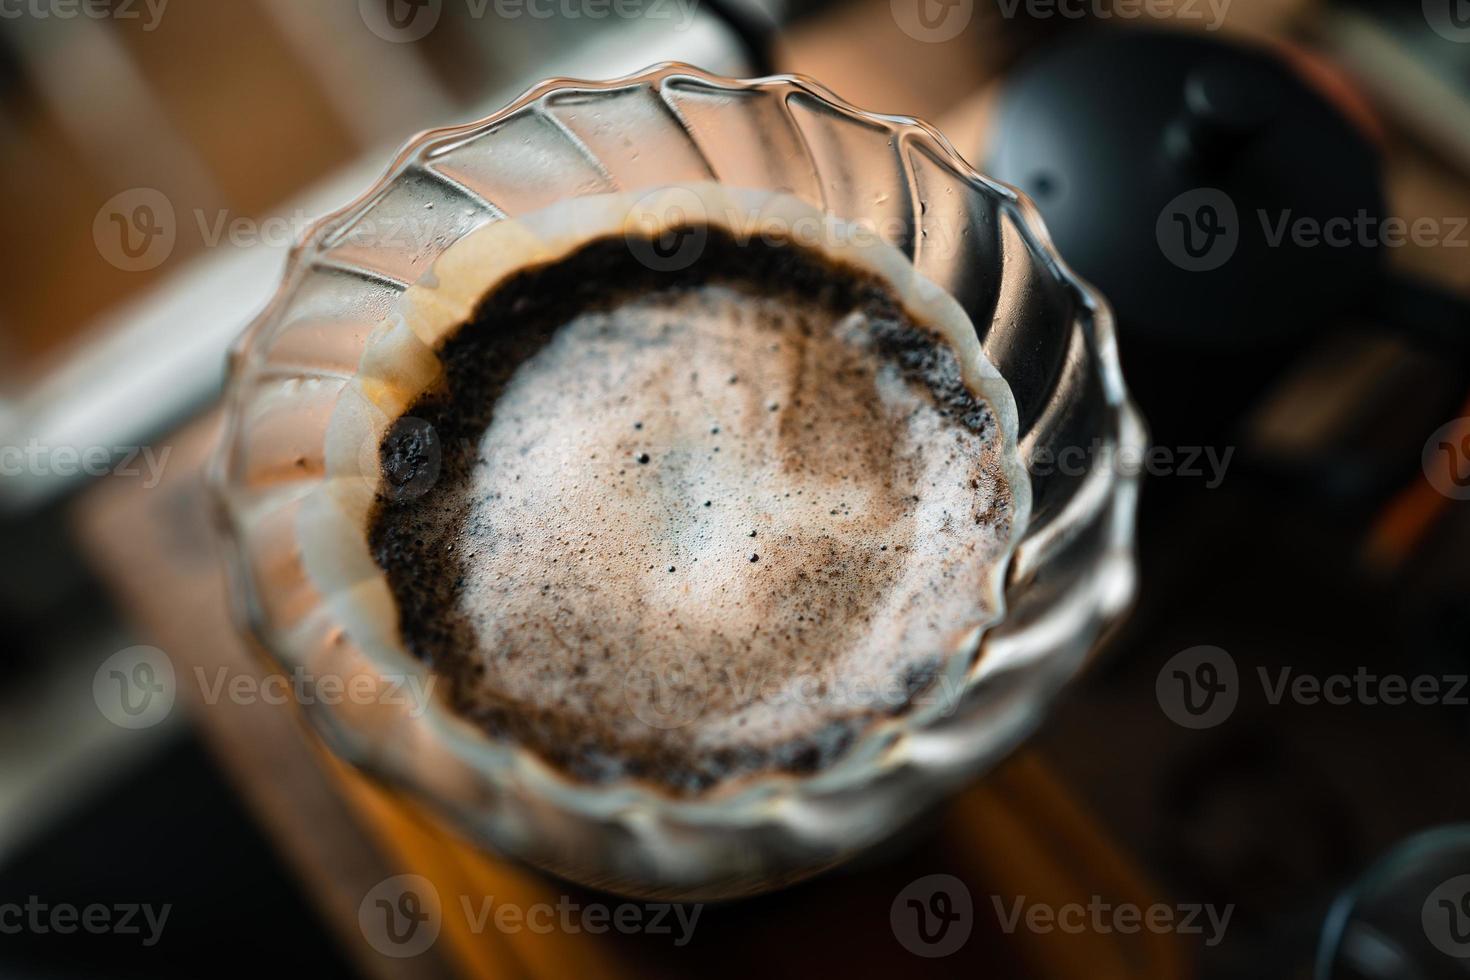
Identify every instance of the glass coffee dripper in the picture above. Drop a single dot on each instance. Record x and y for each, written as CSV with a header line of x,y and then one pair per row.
x,y
1049,335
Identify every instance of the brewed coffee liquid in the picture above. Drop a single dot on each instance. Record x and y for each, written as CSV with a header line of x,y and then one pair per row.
x,y
691,526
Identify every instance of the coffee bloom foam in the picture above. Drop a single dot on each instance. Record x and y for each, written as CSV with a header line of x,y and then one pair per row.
x,y
909,615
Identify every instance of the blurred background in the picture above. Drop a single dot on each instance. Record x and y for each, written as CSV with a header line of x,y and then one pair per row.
x,y
159,161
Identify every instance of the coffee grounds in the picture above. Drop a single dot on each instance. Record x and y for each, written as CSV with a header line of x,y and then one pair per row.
x,y
660,524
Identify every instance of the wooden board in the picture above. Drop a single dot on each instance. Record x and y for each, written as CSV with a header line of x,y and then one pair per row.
x,y
1017,833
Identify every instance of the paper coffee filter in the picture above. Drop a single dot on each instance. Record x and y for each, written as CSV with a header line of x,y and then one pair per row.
x,y
399,364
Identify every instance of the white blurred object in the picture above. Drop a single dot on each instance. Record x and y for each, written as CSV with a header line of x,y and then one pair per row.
x,y
145,367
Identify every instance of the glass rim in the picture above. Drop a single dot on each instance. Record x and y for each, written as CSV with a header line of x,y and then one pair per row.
x,y
765,797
